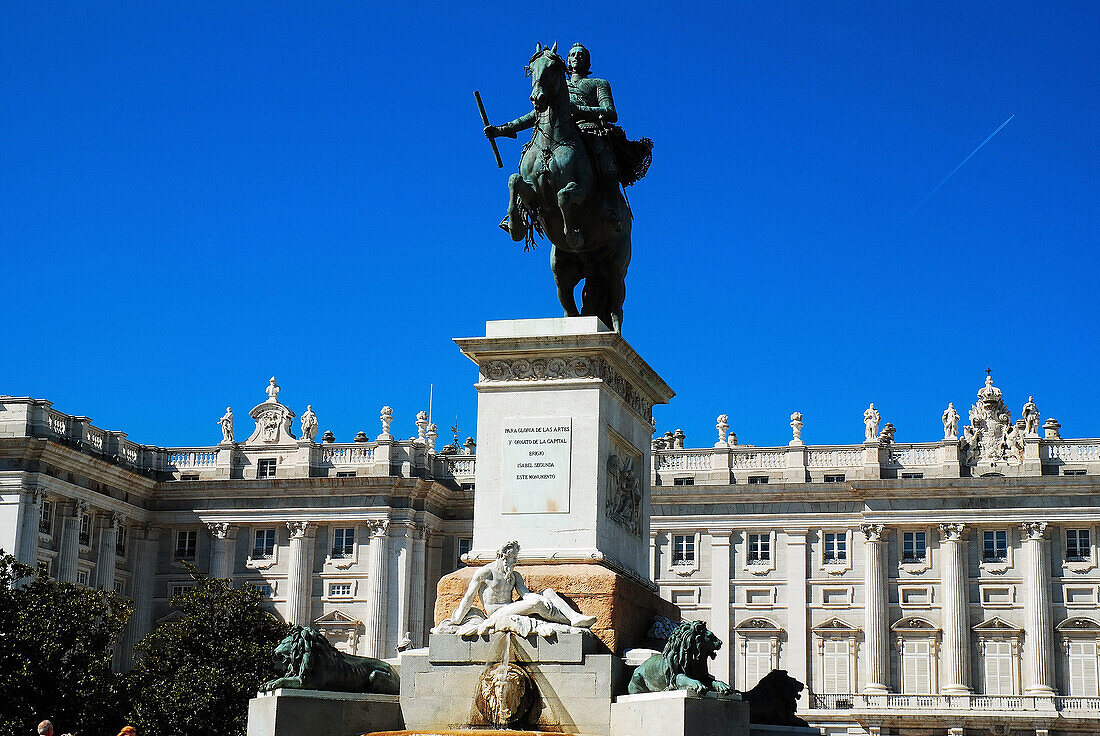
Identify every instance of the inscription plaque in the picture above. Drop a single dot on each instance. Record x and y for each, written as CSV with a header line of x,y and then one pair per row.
x,y
536,466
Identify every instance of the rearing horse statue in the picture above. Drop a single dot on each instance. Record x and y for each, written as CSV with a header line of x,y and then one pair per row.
x,y
556,193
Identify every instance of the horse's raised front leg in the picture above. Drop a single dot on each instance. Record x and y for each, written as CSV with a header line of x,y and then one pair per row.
x,y
570,198
518,191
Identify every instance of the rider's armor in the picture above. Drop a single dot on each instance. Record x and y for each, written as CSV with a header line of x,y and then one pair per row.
x,y
595,109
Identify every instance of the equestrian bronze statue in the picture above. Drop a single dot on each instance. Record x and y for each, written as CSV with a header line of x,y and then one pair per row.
x,y
569,185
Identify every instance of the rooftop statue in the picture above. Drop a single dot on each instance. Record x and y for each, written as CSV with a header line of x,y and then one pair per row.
x,y
496,584
568,185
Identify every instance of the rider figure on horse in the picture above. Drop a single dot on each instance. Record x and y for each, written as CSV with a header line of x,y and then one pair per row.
x,y
593,113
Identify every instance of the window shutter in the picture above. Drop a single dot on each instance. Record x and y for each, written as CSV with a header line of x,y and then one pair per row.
x,y
916,668
998,668
1082,669
758,661
835,666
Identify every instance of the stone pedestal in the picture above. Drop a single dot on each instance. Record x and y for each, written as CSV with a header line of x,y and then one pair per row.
x,y
564,433
288,712
575,688
676,713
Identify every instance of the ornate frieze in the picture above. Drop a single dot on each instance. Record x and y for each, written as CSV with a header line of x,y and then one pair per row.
x,y
564,368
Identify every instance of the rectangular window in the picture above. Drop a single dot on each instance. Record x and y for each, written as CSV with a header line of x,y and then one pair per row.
x,y
178,590
916,672
85,530
265,468
683,549
189,476
996,546
465,544
120,587
912,476
339,590
345,474
758,661
45,518
1082,669
264,547
683,481
186,542
81,577
836,548
120,542
835,662
44,567
265,589
760,548
914,547
1073,471
834,477
343,543
755,480
998,668
1078,545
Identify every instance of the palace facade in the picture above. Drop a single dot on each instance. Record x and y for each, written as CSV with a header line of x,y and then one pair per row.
x,y
944,587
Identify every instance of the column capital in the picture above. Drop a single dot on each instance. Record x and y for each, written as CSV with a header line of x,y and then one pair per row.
x,y
114,520
80,507
952,532
220,529
873,532
378,528
718,537
300,529
1033,530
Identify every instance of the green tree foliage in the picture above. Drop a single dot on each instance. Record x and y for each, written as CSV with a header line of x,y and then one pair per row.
x,y
56,644
198,670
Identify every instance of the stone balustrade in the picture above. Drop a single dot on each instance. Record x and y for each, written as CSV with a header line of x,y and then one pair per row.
x,y
899,703
719,465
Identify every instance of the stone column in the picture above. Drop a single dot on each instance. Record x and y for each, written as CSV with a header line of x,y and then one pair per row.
x,y
955,608
69,552
27,551
401,550
377,578
143,550
796,655
1039,629
105,561
654,542
417,611
720,600
875,619
299,578
433,572
221,548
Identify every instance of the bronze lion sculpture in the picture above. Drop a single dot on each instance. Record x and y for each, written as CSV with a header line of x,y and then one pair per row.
x,y
683,663
312,663
774,700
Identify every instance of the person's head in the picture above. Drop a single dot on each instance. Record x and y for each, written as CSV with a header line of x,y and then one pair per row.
x,y
128,731
579,60
45,728
509,553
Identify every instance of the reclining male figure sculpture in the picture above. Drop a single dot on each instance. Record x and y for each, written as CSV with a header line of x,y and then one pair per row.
x,y
495,585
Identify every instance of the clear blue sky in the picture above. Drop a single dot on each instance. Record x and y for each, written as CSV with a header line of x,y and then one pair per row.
x,y
196,196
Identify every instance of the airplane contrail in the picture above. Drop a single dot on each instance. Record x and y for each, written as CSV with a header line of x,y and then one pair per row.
x,y
969,156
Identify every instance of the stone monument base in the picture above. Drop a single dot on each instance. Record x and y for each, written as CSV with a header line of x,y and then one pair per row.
x,y
676,713
623,606
575,687
289,712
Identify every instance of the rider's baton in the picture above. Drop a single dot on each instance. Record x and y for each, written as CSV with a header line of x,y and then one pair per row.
x,y
485,119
